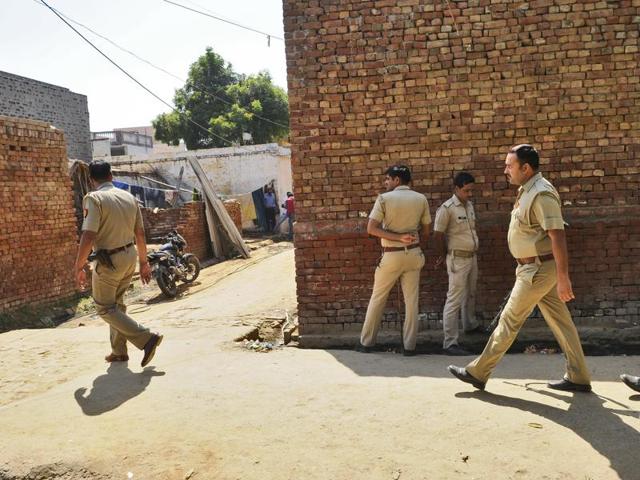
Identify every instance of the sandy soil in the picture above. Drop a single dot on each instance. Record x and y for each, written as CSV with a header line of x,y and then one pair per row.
x,y
208,408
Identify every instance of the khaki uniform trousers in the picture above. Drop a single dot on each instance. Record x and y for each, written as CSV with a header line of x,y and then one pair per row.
x,y
461,297
108,289
403,265
535,284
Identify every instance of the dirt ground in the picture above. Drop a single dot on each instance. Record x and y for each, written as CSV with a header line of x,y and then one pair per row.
x,y
209,408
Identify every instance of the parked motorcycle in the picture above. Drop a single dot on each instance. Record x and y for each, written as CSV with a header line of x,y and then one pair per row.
x,y
170,264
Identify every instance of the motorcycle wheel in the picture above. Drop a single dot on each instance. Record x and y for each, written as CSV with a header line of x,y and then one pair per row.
x,y
166,282
193,268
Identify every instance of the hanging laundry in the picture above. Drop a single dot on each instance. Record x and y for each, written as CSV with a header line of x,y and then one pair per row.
x,y
258,202
138,192
247,208
171,197
121,185
154,197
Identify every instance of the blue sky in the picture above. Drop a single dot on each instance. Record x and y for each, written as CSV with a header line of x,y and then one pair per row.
x,y
35,43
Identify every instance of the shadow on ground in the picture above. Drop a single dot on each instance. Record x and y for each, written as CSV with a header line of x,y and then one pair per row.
x,y
588,418
538,366
114,388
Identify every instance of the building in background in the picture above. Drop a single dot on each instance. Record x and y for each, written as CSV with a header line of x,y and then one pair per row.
x,y
23,97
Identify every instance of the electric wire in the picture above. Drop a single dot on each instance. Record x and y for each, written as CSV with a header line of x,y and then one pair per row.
x,y
196,86
215,17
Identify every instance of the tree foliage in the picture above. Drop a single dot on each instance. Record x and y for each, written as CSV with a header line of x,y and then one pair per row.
x,y
241,101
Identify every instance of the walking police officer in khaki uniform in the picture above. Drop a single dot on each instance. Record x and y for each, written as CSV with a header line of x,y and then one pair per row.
x,y
456,240
112,221
537,241
397,218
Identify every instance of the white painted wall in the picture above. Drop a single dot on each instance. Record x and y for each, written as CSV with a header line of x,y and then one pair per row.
x,y
101,147
232,171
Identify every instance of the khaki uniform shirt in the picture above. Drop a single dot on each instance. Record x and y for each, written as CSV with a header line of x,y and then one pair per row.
x,y
537,210
458,222
113,214
401,211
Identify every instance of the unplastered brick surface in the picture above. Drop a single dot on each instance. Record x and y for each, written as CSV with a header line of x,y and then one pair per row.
x,y
189,220
38,239
447,86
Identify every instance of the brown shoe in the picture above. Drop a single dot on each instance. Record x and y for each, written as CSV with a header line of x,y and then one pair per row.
x,y
150,349
112,357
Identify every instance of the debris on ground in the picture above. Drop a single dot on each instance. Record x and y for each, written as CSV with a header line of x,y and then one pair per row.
x,y
189,474
465,458
535,425
543,351
396,474
260,345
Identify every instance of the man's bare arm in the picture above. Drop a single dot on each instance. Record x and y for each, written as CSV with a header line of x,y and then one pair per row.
x,y
86,243
84,249
561,256
141,245
440,240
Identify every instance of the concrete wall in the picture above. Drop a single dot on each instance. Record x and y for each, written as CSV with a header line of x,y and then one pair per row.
x,y
26,98
446,86
38,239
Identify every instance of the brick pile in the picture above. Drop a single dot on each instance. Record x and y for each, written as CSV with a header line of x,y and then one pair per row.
x,y
446,86
38,237
235,212
189,220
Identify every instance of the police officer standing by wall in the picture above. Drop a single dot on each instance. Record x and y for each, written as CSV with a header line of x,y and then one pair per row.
x,y
456,241
112,222
400,218
537,241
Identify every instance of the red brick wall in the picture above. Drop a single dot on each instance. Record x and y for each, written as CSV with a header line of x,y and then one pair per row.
x,y
233,209
38,236
189,220
445,86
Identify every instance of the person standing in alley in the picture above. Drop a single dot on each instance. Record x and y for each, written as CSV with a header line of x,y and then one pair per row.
x,y
401,219
271,208
456,242
112,225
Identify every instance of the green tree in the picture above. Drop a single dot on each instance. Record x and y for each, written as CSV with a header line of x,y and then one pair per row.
x,y
241,101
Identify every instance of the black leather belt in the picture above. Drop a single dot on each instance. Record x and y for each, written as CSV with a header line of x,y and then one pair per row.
x,y
119,249
398,249
527,260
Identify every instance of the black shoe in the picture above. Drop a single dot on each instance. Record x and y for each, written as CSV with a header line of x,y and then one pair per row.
x,y
632,382
150,349
567,386
363,348
455,350
476,330
461,374
409,353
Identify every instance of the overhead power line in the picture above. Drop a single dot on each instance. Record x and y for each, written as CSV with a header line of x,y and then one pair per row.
x,y
215,17
157,97
197,87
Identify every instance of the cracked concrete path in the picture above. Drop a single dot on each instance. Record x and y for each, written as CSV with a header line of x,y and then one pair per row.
x,y
210,409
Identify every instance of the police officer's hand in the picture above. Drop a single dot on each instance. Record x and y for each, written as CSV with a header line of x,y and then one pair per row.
x,y
145,272
565,291
81,279
439,260
408,238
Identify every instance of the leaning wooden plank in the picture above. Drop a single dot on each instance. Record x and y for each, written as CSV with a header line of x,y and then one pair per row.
x,y
225,220
214,234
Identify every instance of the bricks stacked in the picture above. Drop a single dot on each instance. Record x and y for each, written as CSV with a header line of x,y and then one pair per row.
x,y
234,211
446,86
189,220
38,239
